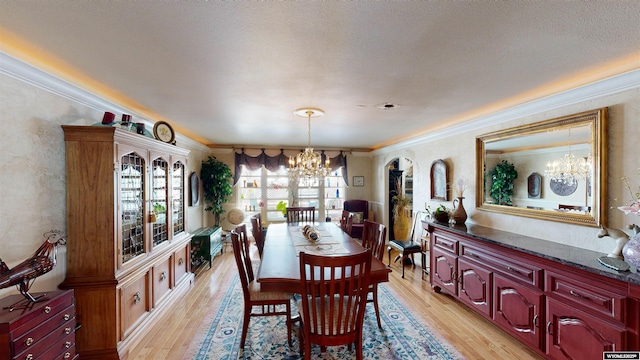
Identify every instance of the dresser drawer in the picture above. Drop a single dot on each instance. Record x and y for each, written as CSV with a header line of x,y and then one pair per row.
x,y
45,311
161,280
601,299
522,271
43,335
54,343
134,302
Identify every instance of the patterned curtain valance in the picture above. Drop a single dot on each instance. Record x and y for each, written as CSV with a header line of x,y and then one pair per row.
x,y
273,163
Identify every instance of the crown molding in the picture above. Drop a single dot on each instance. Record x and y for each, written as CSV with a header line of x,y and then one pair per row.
x,y
609,86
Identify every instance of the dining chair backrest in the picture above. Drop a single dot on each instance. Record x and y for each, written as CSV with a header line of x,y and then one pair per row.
x,y
256,231
301,214
346,222
373,238
243,260
334,296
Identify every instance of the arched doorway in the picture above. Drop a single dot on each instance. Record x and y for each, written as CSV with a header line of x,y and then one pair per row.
x,y
400,191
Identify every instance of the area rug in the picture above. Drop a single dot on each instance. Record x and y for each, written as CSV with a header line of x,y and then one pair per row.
x,y
402,335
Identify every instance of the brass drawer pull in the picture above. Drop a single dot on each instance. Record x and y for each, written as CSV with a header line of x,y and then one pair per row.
x,y
513,270
578,295
28,357
47,309
136,298
67,330
163,275
28,341
180,261
67,344
67,355
66,317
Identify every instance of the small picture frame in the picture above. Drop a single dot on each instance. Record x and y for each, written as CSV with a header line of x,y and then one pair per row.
x,y
194,189
439,180
358,181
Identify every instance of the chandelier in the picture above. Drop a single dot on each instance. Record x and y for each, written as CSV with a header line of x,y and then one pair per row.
x,y
570,168
308,165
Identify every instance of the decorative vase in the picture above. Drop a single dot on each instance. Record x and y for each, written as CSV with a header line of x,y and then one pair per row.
x,y
401,226
631,251
459,214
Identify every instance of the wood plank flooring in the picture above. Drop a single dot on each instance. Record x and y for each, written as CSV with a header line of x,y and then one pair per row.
x,y
473,336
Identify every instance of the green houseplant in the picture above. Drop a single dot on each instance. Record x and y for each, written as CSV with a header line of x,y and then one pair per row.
x,y
216,184
502,185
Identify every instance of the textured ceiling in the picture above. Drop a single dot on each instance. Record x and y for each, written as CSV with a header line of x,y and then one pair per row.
x,y
231,73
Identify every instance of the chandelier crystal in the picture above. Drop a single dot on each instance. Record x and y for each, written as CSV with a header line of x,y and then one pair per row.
x,y
570,168
308,165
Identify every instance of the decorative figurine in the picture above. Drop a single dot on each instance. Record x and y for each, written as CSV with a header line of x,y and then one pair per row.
x,y
619,236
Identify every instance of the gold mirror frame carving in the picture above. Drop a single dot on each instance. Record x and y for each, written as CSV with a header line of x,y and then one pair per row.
x,y
596,119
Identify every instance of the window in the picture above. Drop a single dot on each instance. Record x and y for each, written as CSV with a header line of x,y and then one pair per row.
x,y
275,195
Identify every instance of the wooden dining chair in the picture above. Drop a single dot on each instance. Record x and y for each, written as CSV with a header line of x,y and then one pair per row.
x,y
333,300
373,238
265,301
346,222
256,231
301,214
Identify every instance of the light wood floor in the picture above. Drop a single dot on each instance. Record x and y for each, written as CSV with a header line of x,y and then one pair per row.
x,y
473,336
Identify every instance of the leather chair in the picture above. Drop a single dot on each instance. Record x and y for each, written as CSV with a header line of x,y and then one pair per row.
x,y
357,206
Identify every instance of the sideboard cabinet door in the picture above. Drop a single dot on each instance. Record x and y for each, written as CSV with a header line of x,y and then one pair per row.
x,y
573,334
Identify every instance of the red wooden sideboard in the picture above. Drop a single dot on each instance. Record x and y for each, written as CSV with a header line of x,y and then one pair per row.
x,y
554,298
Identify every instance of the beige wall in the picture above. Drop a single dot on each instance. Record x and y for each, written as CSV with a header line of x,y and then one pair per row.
x,y
624,132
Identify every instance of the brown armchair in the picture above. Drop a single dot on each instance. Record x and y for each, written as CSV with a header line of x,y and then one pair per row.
x,y
356,206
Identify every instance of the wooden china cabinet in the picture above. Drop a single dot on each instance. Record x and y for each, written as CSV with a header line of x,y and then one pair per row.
x,y
128,249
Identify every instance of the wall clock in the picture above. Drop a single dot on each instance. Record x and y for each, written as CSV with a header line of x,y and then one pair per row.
x,y
164,132
561,188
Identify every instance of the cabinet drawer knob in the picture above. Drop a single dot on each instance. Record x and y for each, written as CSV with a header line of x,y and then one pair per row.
x,y
163,275
67,344
28,357
66,317
549,328
180,261
67,355
28,341
136,298
535,320
47,309
67,330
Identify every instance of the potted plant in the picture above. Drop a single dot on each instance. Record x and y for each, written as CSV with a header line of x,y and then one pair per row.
x,y
282,206
216,183
441,214
502,185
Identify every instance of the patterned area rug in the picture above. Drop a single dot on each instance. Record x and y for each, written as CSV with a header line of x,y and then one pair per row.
x,y
402,335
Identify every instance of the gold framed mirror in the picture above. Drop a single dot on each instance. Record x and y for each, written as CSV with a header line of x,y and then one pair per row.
x,y
560,165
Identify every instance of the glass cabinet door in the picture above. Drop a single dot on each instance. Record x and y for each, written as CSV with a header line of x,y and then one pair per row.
x,y
159,201
177,197
132,184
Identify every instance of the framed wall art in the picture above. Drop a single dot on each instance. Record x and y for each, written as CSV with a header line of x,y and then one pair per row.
x,y
194,189
358,181
439,180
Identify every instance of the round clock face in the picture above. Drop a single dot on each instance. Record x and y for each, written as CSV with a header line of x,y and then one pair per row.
x,y
163,132
562,189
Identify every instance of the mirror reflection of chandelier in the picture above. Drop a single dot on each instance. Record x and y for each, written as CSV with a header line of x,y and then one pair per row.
x,y
308,165
570,168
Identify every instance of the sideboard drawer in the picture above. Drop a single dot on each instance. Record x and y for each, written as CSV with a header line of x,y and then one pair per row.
x,y
522,271
594,298
49,332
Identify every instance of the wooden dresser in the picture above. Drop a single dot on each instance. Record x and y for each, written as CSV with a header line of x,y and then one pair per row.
x,y
128,248
556,299
43,330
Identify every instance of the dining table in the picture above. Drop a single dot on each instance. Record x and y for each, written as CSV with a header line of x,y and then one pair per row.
x,y
280,263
